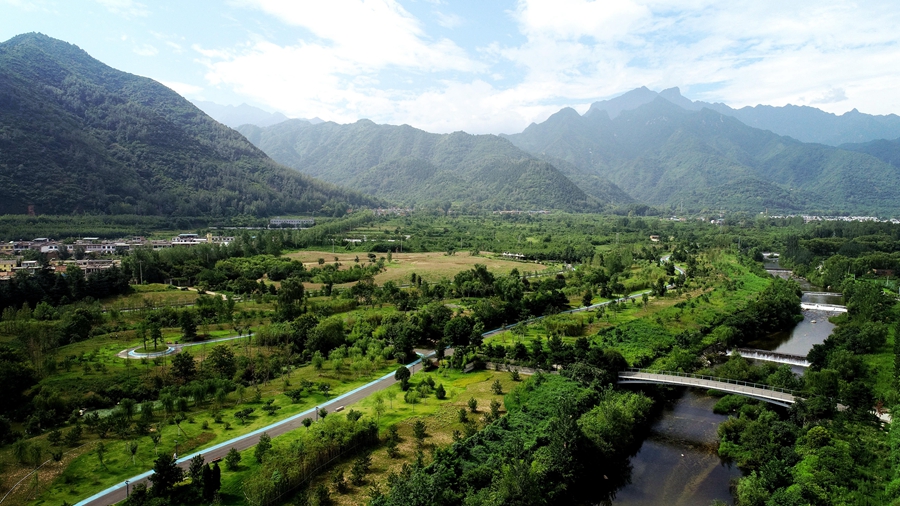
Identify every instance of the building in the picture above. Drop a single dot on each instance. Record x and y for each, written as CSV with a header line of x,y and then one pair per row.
x,y
291,222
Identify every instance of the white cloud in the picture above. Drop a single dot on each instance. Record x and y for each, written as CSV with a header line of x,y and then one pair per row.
x,y
336,72
145,50
448,20
182,89
372,58
125,8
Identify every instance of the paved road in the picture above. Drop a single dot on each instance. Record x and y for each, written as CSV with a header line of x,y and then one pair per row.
x,y
116,493
126,353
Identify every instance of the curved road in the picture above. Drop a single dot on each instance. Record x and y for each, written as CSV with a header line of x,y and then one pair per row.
x,y
116,493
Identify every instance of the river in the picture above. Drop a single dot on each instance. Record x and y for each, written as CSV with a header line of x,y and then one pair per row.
x,y
677,464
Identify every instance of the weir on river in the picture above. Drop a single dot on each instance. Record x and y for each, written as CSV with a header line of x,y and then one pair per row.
x,y
771,356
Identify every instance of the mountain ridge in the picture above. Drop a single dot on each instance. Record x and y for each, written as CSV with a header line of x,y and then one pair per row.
x,y
79,136
409,165
662,154
804,123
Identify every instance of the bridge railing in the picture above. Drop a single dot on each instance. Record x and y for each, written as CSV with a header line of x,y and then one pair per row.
x,y
795,393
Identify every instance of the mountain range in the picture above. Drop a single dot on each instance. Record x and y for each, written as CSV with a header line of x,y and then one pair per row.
x,y
79,136
661,153
237,115
804,123
410,166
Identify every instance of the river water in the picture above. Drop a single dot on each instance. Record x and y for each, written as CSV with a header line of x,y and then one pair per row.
x,y
677,464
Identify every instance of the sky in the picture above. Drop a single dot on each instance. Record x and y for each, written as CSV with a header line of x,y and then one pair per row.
x,y
486,66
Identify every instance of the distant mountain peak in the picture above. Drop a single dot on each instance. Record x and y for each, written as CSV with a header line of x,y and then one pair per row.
x,y
802,122
237,115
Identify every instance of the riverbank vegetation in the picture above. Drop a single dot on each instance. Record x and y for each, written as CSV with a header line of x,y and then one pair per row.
x,y
584,295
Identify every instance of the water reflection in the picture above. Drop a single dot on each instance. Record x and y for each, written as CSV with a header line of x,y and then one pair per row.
x,y
678,464
800,339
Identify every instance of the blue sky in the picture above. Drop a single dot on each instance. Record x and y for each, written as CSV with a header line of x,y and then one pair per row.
x,y
487,66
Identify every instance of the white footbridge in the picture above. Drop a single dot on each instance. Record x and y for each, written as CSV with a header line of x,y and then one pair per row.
x,y
778,396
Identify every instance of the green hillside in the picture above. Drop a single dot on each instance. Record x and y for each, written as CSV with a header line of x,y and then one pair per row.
x,y
887,151
411,166
662,154
79,136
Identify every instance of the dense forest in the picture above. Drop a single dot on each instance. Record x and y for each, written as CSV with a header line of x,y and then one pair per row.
x,y
662,154
407,165
304,329
77,136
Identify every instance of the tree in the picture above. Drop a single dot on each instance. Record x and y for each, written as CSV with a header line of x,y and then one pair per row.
x,y
497,387
307,422
184,367
221,361
378,400
263,447
132,448
360,468
318,360
402,375
412,398
195,472
155,333
439,392
473,405
495,409
188,321
233,460
166,474
419,430
101,454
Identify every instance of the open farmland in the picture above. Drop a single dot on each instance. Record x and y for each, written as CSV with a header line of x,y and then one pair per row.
x,y
432,266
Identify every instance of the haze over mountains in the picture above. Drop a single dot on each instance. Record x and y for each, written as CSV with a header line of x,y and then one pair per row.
x,y
804,123
237,115
79,136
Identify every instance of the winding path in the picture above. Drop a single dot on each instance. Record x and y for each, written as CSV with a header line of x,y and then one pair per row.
x,y
117,492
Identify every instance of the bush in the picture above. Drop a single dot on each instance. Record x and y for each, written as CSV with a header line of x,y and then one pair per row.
x,y
419,430
360,468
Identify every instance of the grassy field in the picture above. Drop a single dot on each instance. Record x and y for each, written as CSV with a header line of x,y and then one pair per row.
x,y
431,267
646,329
440,416
82,474
154,295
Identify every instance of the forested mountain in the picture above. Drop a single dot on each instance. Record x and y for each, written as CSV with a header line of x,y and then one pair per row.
x,y
79,136
407,165
804,123
663,154
885,150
